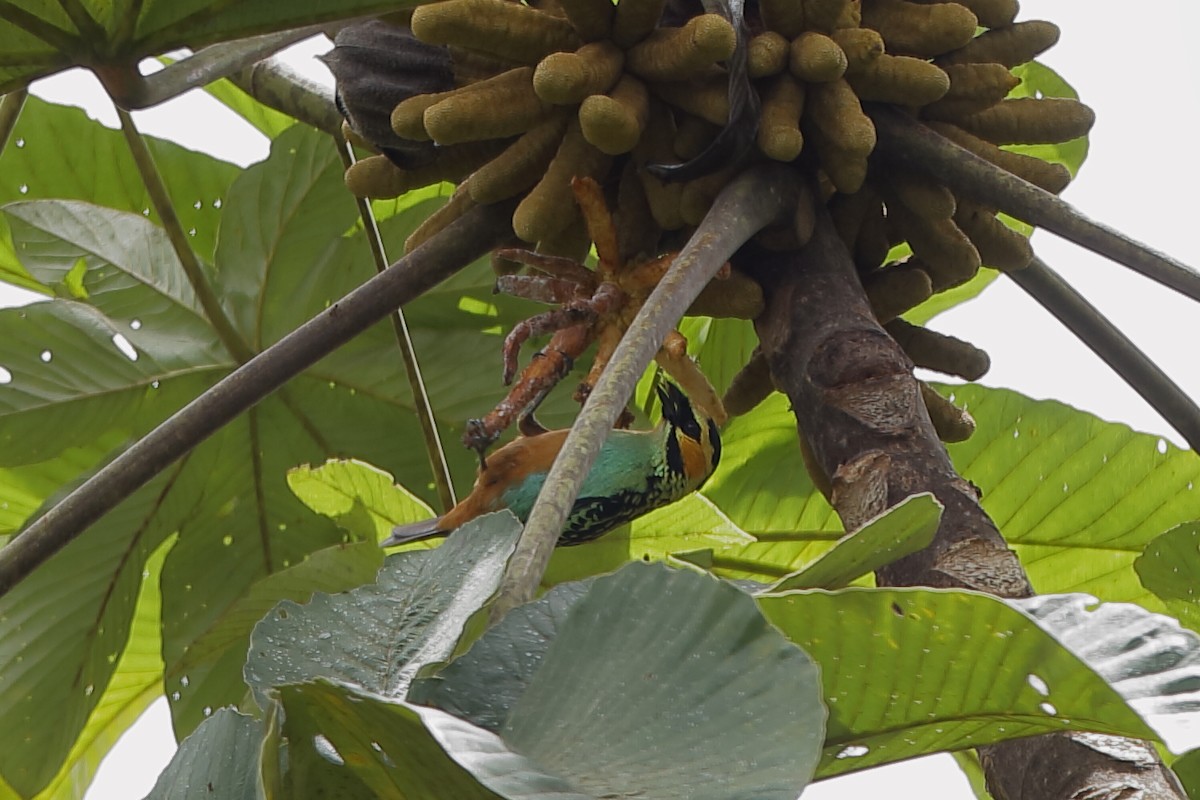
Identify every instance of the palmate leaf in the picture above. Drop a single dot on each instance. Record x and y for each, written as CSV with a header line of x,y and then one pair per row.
x,y
595,701
1078,497
940,670
98,168
1170,568
135,684
377,636
237,520
220,760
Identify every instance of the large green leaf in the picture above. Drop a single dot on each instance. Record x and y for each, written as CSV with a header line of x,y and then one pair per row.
x,y
939,670
1078,497
651,682
762,483
361,499
98,168
65,627
207,658
220,760
135,684
903,529
377,636
372,747
1170,568
237,519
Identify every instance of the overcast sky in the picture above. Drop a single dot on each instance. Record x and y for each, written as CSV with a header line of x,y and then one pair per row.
x,y
1137,68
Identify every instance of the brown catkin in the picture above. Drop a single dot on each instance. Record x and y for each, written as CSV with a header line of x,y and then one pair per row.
x,y
592,19
1049,176
676,54
707,99
550,207
999,246
520,166
900,80
990,13
1010,46
767,54
567,78
458,204
824,15
861,46
635,19
920,30
1031,120
613,123
498,107
815,58
939,352
783,16
973,87
504,30
891,291
951,423
750,386
843,134
779,134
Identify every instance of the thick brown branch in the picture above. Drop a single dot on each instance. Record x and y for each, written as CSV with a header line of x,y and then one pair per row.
x,y
464,240
859,407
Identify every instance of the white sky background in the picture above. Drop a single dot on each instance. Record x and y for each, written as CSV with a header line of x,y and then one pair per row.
x,y
1137,68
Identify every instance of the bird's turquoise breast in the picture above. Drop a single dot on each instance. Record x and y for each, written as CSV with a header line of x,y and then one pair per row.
x,y
627,480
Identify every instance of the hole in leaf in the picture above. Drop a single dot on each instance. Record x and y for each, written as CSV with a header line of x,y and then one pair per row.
x,y
125,347
1038,685
853,751
136,324
46,356
5,376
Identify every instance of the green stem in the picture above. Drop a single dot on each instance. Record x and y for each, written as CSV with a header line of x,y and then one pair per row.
x,y
89,30
10,112
202,67
463,241
1095,330
278,86
412,367
56,37
907,142
161,200
753,200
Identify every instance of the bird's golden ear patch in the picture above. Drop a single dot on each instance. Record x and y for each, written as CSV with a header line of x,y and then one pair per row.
x,y
695,461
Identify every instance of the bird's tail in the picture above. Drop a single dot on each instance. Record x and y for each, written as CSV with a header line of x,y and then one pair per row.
x,y
414,532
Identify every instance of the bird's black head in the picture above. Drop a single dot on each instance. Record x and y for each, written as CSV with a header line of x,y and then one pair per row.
x,y
692,424
677,409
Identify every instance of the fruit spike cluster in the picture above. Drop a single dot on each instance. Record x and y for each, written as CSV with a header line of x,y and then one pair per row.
x,y
555,89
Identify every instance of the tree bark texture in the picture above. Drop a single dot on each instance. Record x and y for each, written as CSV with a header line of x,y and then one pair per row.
x,y
859,409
